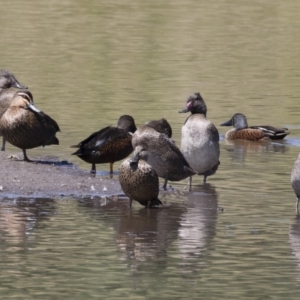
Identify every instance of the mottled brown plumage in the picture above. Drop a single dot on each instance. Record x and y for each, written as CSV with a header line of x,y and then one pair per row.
x,y
161,153
107,145
26,127
9,86
139,182
241,130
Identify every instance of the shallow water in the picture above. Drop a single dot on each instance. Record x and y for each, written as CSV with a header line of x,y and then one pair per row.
x,y
86,64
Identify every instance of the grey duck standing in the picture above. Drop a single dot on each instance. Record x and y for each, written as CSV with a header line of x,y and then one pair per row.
x,y
199,138
161,153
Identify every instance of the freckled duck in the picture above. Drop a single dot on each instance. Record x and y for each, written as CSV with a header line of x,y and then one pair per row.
x,y
161,154
139,182
199,138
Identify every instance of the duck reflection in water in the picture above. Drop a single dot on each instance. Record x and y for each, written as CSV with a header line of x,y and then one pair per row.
x,y
239,149
198,223
142,236
19,220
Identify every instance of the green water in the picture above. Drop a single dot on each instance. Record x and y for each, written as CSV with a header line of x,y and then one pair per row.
x,y
88,62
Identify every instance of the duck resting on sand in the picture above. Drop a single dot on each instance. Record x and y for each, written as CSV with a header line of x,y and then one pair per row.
x,y
25,126
107,145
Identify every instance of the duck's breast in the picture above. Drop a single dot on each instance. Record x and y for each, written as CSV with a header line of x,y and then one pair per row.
x,y
200,143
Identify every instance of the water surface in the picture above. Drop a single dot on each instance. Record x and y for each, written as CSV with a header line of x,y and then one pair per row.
x,y
87,63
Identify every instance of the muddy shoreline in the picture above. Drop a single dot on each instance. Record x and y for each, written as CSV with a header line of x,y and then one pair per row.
x,y
47,177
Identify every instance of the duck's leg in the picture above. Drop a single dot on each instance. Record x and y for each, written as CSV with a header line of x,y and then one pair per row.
x,y
93,170
111,171
148,204
25,156
165,183
3,144
130,203
204,178
297,205
190,183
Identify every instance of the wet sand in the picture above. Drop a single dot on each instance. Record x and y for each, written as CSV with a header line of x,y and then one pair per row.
x,y
48,177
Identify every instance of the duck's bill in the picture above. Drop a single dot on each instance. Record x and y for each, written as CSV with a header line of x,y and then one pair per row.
x,y
185,110
33,108
228,123
19,86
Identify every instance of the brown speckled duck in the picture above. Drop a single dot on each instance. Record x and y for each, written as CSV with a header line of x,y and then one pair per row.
x,y
295,180
9,85
107,145
139,182
162,126
25,126
199,138
241,130
161,153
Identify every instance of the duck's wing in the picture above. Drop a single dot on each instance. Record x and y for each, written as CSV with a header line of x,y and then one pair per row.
x,y
101,134
46,120
102,140
272,132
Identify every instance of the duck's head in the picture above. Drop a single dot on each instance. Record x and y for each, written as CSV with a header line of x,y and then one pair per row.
x,y
24,99
195,104
140,152
7,80
161,126
126,123
238,121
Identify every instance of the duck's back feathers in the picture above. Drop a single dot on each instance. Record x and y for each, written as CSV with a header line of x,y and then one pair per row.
x,y
272,132
107,145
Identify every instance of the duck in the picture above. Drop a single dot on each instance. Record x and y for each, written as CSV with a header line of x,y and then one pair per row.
x,y
9,85
241,130
162,126
161,154
139,182
108,145
199,138
25,126
295,180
